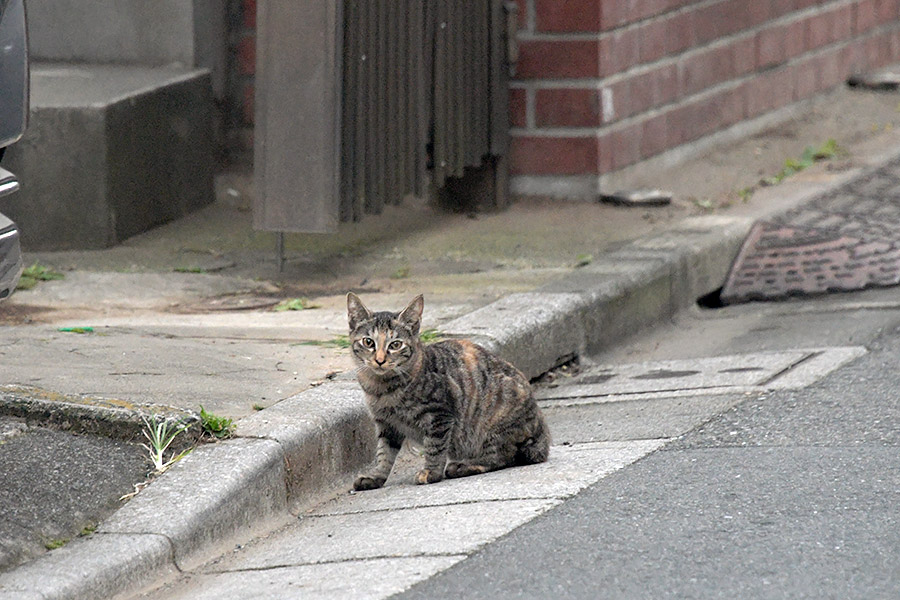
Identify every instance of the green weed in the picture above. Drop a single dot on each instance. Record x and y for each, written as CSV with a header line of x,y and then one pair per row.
x,y
401,273
338,341
54,544
35,273
295,304
746,193
160,434
219,427
583,260
430,335
704,204
199,270
811,155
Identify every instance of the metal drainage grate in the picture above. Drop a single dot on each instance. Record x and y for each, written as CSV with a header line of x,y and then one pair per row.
x,y
846,240
739,373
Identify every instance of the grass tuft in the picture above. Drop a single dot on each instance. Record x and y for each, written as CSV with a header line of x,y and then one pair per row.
x,y
430,335
295,304
35,273
160,434
338,341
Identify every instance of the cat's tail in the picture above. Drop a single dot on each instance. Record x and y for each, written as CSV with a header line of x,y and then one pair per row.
x,y
535,449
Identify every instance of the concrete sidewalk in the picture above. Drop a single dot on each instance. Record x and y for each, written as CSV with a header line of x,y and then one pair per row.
x,y
576,276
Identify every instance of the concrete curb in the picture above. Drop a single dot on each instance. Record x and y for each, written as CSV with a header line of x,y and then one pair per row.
x,y
87,414
308,445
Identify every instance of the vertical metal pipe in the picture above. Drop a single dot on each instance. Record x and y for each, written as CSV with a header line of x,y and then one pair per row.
x,y
279,250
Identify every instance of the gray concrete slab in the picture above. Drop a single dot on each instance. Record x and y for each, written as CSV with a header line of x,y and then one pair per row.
x,y
730,374
98,566
634,419
431,530
568,470
359,579
138,366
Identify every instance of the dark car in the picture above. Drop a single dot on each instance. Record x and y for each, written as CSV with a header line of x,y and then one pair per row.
x,y
13,117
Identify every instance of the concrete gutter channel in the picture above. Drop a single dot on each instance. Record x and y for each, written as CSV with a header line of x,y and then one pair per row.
x,y
310,446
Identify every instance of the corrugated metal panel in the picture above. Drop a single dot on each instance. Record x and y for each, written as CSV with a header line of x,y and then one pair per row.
x,y
421,98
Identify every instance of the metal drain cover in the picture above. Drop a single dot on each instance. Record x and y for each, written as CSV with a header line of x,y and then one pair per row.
x,y
848,239
737,373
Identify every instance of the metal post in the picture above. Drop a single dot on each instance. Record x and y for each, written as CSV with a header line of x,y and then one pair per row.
x,y
279,250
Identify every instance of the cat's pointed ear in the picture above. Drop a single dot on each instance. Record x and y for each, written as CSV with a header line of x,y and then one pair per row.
x,y
412,314
356,310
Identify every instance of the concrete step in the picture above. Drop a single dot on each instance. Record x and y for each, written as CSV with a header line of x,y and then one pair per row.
x,y
110,152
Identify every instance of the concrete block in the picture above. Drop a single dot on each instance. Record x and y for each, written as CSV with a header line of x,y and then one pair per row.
x,y
703,249
621,294
327,436
98,566
224,492
110,152
432,530
533,331
163,32
352,579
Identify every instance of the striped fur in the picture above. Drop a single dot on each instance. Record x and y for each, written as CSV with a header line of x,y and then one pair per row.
x,y
471,411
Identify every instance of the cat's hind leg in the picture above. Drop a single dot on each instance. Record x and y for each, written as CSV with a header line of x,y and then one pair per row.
x,y
492,458
533,449
536,448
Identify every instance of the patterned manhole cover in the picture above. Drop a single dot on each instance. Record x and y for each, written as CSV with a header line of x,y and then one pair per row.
x,y
846,240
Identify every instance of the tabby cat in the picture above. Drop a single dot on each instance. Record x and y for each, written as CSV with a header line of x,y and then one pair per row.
x,y
471,411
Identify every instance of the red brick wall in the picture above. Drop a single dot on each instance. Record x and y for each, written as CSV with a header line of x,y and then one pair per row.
x,y
603,84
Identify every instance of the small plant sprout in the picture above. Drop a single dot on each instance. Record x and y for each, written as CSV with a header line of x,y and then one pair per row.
x,y
401,273
338,341
219,427
583,260
160,434
429,335
294,304
35,273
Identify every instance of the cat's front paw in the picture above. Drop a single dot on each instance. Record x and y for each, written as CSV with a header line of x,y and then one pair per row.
x,y
368,482
429,476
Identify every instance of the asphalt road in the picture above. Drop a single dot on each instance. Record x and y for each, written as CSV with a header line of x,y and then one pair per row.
x,y
56,485
786,494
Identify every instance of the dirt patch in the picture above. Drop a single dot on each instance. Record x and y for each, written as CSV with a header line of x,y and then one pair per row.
x,y
24,314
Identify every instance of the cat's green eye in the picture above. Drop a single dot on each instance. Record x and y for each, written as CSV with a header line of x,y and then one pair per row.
x,y
368,342
395,345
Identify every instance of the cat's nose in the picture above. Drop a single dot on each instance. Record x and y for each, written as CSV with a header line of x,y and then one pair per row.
x,y
380,359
